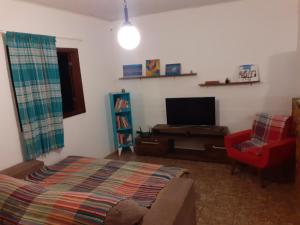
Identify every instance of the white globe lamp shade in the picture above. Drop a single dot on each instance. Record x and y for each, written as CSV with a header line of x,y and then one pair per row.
x,y
129,37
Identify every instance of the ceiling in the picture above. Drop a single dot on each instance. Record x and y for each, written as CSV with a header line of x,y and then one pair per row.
x,y
111,10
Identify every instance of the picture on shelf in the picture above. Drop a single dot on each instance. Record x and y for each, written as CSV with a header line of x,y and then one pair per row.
x,y
153,67
248,73
133,70
173,69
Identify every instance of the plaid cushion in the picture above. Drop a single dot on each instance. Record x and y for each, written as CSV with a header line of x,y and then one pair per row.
x,y
266,129
247,145
269,128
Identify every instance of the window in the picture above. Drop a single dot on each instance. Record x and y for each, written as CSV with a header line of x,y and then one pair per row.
x,y
71,83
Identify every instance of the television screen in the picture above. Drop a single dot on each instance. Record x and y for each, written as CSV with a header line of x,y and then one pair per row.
x,y
191,111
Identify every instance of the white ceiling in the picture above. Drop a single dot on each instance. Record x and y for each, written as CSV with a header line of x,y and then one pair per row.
x,y
112,9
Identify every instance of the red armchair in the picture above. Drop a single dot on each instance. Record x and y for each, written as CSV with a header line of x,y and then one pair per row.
x,y
268,144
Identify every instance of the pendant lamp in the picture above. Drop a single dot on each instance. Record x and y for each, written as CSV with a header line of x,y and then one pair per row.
x,y
128,36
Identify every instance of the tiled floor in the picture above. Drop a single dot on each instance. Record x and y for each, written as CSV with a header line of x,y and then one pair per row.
x,y
223,199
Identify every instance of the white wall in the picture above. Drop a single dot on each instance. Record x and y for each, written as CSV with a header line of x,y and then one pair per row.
x,y
213,41
87,133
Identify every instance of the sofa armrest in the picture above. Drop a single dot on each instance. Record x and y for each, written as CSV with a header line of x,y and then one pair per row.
x,y
279,151
175,205
236,138
23,169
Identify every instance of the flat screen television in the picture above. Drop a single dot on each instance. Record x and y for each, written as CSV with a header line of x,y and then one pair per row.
x,y
191,111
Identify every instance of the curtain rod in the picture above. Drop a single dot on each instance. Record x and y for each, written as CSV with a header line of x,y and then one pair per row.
x,y
58,37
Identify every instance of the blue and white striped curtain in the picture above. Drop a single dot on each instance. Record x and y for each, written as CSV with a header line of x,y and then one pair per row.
x,y
35,76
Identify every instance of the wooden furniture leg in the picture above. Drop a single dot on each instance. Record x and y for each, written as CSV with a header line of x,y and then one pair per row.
x,y
261,178
233,166
289,170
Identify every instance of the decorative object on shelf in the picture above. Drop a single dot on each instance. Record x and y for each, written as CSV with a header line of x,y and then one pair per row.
x,y
153,67
133,70
121,104
128,36
228,84
161,76
173,69
123,90
227,81
248,72
210,82
121,121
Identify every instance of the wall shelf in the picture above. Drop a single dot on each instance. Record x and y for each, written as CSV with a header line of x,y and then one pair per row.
x,y
229,84
161,76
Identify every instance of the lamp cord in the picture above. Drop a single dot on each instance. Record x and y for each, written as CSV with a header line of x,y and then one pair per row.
x,y
126,12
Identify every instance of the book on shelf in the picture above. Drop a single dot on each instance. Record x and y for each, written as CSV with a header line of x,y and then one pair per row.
x,y
121,104
122,122
124,139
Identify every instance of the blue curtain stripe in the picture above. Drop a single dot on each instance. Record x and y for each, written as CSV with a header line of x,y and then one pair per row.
x,y
35,76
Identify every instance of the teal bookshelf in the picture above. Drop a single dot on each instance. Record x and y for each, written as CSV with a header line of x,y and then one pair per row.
x,y
121,115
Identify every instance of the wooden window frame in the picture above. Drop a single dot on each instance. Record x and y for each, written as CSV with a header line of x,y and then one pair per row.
x,y
76,81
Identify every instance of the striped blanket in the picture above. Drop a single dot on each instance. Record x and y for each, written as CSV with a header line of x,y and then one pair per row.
x,y
80,190
138,181
25,203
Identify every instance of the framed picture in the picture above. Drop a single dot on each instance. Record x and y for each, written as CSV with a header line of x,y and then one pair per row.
x,y
248,73
173,69
133,70
153,67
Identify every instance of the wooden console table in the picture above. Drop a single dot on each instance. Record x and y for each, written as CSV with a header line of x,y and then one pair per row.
x,y
185,142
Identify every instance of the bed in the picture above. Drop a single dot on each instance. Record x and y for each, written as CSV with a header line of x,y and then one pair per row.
x,y
81,190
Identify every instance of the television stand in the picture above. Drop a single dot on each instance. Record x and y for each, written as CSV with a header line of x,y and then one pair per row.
x,y
190,130
203,143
